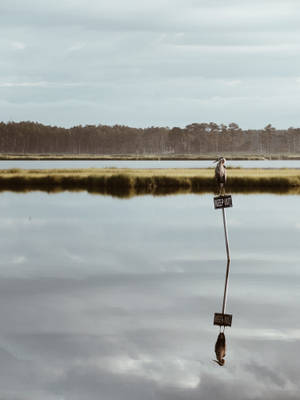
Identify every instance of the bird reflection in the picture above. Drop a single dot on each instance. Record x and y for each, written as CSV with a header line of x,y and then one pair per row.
x,y
220,349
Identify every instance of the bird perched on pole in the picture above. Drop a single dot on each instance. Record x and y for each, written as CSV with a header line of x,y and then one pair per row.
x,y
220,172
220,349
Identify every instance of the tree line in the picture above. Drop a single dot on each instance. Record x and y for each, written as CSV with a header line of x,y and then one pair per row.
x,y
197,138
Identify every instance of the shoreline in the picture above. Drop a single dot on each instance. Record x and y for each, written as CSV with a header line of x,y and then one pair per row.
x,y
129,157
122,182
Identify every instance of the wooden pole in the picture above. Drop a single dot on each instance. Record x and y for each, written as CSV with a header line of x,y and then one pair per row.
x,y
226,234
225,288
228,260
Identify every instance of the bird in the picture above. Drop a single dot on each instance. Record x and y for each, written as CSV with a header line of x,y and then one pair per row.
x,y
220,172
220,349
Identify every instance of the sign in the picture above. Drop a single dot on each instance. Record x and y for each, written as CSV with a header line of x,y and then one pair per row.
x,y
223,201
222,319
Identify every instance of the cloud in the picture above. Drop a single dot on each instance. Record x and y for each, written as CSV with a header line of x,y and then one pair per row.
x,y
76,46
18,260
23,84
235,82
263,373
150,63
18,45
42,84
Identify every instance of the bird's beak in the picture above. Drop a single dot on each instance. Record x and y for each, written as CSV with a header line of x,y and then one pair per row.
x,y
218,362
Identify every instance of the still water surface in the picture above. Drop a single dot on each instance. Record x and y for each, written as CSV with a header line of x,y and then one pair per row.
x,y
146,164
102,298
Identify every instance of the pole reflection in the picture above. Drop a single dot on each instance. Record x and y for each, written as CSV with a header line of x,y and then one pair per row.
x,y
222,320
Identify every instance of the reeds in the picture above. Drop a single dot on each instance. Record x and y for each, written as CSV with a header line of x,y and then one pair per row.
x,y
130,182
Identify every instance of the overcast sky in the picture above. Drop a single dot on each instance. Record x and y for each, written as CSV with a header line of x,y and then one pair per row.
x,y
143,63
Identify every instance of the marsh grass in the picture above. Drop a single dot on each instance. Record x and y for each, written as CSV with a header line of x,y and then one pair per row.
x,y
130,182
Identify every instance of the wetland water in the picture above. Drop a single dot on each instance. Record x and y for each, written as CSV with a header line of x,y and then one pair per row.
x,y
102,298
29,164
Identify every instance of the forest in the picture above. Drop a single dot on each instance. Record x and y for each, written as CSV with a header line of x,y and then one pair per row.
x,y
194,139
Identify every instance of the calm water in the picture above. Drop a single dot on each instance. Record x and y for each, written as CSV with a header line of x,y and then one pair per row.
x,y
146,164
102,298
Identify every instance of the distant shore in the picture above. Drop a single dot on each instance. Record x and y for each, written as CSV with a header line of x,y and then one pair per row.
x,y
132,157
130,182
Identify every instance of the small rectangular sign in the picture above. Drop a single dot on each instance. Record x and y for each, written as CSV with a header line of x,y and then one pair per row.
x,y
223,201
222,319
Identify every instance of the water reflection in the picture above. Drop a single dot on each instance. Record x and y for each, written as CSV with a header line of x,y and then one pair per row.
x,y
220,349
119,309
46,164
222,320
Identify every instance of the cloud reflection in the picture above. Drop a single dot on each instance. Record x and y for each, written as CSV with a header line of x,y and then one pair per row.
x,y
117,325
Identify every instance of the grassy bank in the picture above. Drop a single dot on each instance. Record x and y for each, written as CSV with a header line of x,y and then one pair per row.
x,y
149,157
130,182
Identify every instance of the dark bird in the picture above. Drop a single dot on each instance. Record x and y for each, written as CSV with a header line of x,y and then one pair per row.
x,y
220,172
220,349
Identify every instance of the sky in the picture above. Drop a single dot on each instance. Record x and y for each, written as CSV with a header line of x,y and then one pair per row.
x,y
150,63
